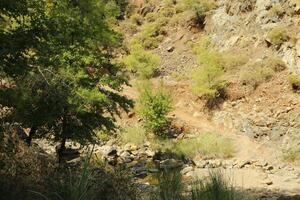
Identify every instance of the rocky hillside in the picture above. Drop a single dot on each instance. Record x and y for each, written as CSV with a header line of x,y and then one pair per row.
x,y
258,42
232,71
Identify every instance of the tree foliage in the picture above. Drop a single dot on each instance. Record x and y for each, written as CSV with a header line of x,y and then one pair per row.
x,y
58,55
155,105
208,78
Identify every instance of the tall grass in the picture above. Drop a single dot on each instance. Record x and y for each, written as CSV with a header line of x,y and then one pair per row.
x,y
134,134
74,185
207,144
170,185
85,182
216,187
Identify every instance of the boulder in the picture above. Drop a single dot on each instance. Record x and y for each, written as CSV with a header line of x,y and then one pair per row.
x,y
108,150
186,170
170,164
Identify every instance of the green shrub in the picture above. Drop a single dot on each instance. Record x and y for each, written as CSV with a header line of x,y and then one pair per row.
x,y
143,62
275,63
207,144
152,42
151,17
291,155
278,35
255,77
261,71
200,8
294,80
128,27
208,82
134,134
167,12
276,11
181,18
102,135
136,19
208,79
153,33
154,106
169,3
231,62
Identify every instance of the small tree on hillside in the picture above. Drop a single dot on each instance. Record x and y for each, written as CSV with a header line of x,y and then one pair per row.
x,y
208,78
155,104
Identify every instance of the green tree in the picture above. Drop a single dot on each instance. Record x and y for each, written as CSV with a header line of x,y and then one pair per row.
x,y
58,55
155,105
208,78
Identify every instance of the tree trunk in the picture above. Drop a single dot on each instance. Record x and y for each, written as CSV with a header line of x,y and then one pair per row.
x,y
30,135
60,149
62,146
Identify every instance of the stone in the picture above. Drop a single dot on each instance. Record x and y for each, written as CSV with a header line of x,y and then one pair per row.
x,y
214,164
134,147
149,153
170,164
269,168
267,181
108,150
127,147
186,170
125,154
197,114
201,163
243,163
261,164
170,49
112,160
153,170
74,161
139,171
131,114
147,144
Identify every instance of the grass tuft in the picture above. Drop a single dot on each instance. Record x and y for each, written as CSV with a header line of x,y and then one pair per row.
x,y
291,155
216,187
278,35
294,81
207,144
134,134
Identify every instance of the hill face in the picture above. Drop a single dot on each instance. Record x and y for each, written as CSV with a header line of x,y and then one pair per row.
x,y
150,99
256,43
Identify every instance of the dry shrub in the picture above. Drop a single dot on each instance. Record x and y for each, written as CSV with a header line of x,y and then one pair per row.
x,y
261,71
278,35
294,80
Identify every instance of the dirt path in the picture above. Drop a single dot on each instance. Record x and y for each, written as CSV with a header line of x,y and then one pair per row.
x,y
281,179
